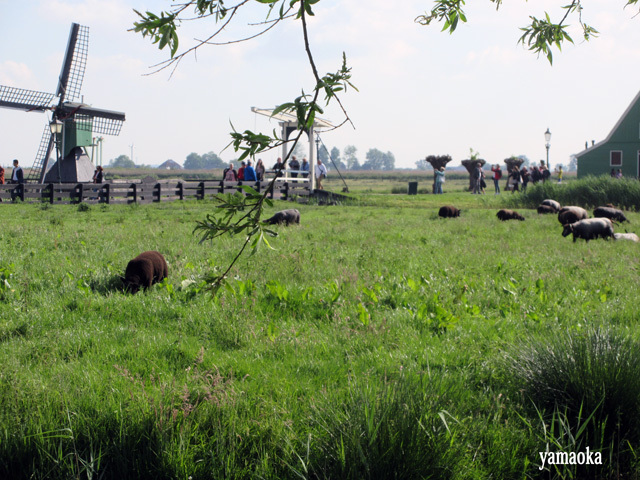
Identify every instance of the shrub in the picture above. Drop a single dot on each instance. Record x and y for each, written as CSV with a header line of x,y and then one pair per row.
x,y
586,390
589,192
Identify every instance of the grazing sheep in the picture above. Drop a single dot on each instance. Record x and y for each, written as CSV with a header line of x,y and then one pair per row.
x,y
145,270
287,217
572,215
627,236
589,229
552,204
610,213
543,209
449,211
505,215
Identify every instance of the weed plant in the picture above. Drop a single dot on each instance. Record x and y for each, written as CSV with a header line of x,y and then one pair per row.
x,y
586,391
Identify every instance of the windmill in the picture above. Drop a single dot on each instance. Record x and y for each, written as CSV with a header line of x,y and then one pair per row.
x,y
72,124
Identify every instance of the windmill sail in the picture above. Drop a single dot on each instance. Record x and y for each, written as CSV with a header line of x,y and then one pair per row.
x,y
44,152
27,100
75,62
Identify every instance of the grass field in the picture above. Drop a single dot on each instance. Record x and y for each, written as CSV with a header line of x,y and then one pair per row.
x,y
376,341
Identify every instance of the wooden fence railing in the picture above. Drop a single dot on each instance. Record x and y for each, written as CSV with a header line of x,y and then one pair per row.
x,y
119,193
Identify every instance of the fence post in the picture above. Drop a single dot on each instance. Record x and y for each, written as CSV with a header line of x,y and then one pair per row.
x,y
181,190
221,186
79,193
105,193
51,193
285,194
157,192
201,190
135,192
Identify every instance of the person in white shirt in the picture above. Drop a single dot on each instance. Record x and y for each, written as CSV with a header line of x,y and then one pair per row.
x,y
321,173
17,176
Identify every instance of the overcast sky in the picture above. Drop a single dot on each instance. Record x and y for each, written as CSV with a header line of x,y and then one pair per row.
x,y
421,91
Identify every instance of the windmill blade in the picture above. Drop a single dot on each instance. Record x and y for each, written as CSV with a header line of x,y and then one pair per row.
x,y
39,168
75,62
27,100
93,119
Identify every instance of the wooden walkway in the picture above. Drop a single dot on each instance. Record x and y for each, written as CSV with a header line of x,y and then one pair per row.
x,y
126,193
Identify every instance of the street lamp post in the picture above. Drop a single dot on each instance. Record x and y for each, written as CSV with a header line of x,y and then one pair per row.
x,y
56,130
547,139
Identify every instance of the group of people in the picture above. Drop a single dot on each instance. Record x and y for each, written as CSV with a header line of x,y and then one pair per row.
x,y
616,174
248,173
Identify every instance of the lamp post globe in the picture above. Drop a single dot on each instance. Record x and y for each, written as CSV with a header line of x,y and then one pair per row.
x,y
547,140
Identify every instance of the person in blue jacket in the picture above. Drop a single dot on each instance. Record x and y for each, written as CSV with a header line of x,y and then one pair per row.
x,y
250,173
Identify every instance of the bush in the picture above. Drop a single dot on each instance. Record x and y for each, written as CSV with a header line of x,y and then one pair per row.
x,y
586,390
589,192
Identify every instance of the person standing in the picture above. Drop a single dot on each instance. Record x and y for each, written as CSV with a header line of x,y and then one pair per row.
x,y
17,176
294,164
515,179
241,171
477,179
305,167
439,173
321,174
278,168
229,174
497,175
250,173
260,170
524,174
98,175
559,173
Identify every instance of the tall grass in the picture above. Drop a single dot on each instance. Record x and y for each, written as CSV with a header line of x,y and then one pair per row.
x,y
586,385
589,192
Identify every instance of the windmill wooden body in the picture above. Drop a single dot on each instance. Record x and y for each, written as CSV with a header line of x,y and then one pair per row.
x,y
73,123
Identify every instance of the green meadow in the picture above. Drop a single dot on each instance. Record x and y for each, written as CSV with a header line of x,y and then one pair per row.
x,y
375,340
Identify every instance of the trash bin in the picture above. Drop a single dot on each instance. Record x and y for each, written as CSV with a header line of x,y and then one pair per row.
x,y
413,188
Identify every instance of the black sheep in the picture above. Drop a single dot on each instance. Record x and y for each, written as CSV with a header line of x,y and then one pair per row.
x,y
543,209
145,270
572,215
287,217
610,213
505,215
449,211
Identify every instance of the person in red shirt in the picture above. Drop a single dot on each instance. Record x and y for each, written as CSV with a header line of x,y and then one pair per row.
x,y
497,175
241,171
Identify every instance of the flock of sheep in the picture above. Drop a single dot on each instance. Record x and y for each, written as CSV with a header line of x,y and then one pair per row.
x,y
574,220
150,267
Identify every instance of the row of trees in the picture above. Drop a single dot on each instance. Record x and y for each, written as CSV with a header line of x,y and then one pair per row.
x,y
345,160
348,159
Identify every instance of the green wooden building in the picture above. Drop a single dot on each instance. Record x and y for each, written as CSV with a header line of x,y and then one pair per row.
x,y
620,150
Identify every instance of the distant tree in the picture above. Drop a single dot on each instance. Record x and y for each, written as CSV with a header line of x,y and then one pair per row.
x,y
123,161
350,157
377,160
335,159
211,160
526,162
324,155
193,162
422,164
300,152
573,164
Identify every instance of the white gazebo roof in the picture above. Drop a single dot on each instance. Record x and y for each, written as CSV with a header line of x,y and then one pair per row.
x,y
289,117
